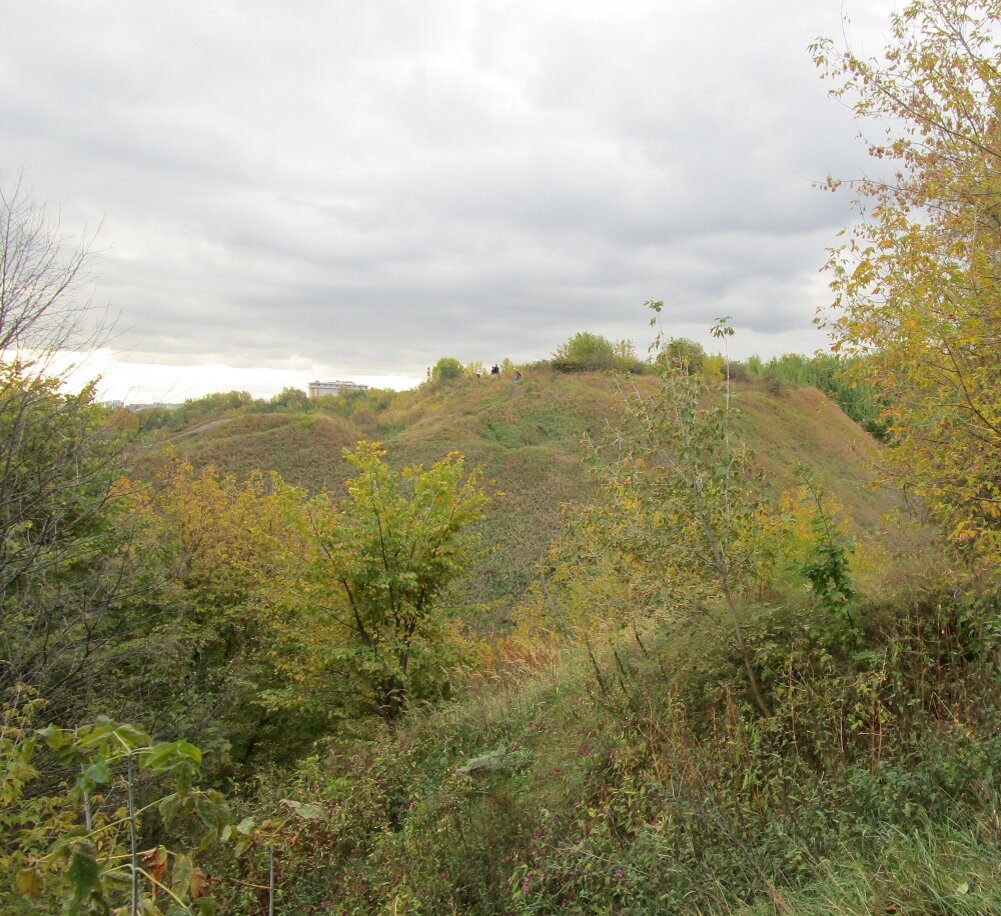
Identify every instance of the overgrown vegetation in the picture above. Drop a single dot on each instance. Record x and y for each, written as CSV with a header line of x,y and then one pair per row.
x,y
592,352
711,683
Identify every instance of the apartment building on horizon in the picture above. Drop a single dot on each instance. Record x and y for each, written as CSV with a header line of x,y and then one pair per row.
x,y
333,389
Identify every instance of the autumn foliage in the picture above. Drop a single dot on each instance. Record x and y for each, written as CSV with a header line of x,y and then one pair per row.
x,y
917,279
716,680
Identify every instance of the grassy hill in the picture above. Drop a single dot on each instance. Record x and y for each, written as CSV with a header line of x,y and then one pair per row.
x,y
529,439
617,760
627,770
304,448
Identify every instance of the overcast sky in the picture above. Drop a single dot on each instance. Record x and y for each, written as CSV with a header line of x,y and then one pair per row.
x,y
336,189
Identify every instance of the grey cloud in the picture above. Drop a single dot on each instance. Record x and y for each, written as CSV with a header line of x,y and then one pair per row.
x,y
369,185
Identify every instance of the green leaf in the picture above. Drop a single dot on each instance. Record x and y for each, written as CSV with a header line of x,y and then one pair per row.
x,y
132,736
83,873
306,812
241,846
173,755
180,877
167,807
96,774
55,737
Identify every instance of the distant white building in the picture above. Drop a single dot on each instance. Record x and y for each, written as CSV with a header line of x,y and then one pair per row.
x,y
333,389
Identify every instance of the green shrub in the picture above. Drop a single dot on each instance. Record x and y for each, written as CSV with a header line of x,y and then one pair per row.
x,y
684,354
585,352
447,368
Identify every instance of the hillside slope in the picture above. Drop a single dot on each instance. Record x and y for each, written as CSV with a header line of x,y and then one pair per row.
x,y
529,439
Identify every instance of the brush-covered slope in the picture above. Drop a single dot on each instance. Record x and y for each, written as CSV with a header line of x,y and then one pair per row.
x,y
305,448
529,439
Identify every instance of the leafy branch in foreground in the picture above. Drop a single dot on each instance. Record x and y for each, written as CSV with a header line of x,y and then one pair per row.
x,y
82,845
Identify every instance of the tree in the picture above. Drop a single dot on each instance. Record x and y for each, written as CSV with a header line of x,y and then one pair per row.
x,y
42,280
372,636
917,281
60,531
447,368
291,399
625,356
676,525
684,354
66,611
222,561
585,352
697,494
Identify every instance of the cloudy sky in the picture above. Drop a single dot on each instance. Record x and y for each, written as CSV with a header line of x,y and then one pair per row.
x,y
337,189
